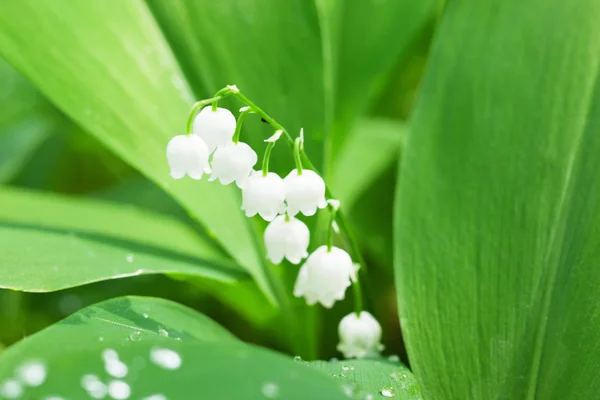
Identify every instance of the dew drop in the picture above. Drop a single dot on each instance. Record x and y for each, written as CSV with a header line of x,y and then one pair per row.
x,y
165,358
369,397
333,360
270,390
93,386
345,368
32,373
393,358
156,397
130,258
297,358
135,336
145,316
348,390
163,332
11,389
119,390
387,392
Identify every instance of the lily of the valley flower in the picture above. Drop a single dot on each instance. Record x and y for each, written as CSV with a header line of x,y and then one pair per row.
x,y
263,195
304,192
233,162
216,128
325,276
286,237
187,154
360,336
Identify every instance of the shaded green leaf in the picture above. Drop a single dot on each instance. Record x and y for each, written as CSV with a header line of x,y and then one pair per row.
x,y
370,149
498,205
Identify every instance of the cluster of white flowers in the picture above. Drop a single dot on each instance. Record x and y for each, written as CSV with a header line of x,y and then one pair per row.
x,y
214,148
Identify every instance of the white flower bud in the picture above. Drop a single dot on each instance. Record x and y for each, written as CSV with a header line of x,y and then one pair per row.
x,y
187,154
359,336
324,276
233,162
304,193
287,239
263,195
216,128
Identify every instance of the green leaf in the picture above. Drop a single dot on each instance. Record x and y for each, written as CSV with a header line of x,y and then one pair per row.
x,y
370,149
116,77
25,121
213,363
376,378
360,64
498,205
51,242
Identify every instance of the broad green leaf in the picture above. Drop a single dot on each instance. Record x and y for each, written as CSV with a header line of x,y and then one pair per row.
x,y
498,205
37,260
213,363
51,242
108,67
25,121
370,149
122,222
372,379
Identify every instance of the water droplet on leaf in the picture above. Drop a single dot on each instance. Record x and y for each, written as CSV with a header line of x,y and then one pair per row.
x,y
270,390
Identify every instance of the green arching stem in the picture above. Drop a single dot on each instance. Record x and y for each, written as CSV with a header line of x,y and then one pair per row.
x,y
238,124
195,108
358,301
297,154
265,163
332,211
223,92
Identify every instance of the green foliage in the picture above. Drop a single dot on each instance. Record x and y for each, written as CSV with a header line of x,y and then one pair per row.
x,y
364,378
495,238
498,204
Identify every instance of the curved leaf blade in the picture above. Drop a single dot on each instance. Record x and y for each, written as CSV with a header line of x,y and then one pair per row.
x,y
50,242
213,363
497,208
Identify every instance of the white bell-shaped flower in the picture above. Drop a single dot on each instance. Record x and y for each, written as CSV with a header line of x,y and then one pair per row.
x,y
325,276
216,128
187,154
359,336
233,162
287,237
263,195
304,193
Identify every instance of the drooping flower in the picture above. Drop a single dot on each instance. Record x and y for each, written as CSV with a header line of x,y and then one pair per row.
x,y
216,128
187,154
359,336
263,195
325,276
233,162
304,192
286,237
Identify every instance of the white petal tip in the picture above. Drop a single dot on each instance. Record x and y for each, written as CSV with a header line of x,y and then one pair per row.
x,y
275,137
335,204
